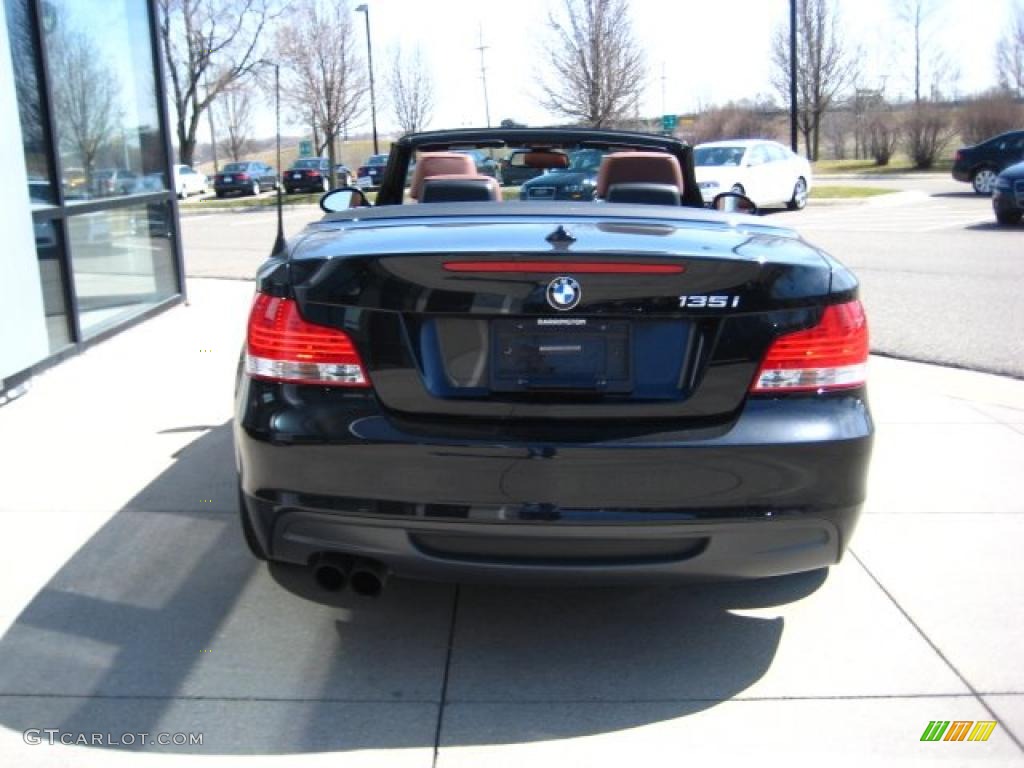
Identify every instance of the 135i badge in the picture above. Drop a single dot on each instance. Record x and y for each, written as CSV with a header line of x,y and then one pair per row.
x,y
703,301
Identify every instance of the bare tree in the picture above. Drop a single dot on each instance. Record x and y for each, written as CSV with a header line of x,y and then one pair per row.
x,y
927,131
85,95
597,66
825,66
921,16
208,46
235,112
736,120
324,73
882,134
1010,53
989,114
411,89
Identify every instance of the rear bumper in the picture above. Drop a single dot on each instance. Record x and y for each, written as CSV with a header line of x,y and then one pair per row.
x,y
777,490
961,174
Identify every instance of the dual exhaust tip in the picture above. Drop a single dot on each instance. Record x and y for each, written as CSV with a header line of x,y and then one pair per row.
x,y
333,572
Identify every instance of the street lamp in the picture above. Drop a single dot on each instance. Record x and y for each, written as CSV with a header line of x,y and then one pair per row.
x,y
365,9
792,77
279,243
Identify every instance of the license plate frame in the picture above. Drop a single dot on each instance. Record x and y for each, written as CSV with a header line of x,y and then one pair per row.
x,y
561,354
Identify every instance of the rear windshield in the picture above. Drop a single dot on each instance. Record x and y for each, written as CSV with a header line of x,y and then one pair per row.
x,y
310,162
377,160
235,167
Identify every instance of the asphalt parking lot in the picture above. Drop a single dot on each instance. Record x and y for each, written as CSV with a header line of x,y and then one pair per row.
x,y
130,606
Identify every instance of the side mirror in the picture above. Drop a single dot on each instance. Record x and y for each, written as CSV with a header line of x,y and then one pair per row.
x,y
733,202
342,199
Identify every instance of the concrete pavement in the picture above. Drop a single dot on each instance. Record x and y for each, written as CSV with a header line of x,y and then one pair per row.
x,y
128,603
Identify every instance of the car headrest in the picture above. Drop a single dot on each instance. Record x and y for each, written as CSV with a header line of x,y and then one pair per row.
x,y
643,193
439,164
457,188
631,167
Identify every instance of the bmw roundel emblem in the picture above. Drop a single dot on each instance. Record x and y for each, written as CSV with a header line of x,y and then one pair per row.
x,y
564,293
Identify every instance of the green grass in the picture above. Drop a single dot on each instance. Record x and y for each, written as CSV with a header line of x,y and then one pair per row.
x,y
836,191
898,164
264,201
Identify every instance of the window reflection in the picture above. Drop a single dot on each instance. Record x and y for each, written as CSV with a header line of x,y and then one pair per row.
x,y
48,251
122,262
24,57
104,99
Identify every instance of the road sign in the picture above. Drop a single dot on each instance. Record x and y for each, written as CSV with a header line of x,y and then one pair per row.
x,y
668,123
305,148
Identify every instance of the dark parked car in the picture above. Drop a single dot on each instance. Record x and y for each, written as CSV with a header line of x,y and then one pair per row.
x,y
485,164
550,391
308,174
577,182
369,175
1008,195
246,178
981,163
515,170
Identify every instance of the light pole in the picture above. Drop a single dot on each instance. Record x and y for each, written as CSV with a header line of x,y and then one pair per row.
x,y
365,9
279,243
792,76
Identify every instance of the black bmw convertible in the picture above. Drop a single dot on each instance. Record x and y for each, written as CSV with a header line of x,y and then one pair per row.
x,y
448,386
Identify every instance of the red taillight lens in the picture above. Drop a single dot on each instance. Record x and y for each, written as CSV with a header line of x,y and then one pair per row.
x,y
313,174
282,346
958,156
242,176
831,355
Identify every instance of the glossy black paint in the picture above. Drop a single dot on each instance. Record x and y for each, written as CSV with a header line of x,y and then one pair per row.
x,y
993,154
1008,195
439,473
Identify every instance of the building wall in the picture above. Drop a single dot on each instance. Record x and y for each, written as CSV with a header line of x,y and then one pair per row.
x,y
23,339
92,241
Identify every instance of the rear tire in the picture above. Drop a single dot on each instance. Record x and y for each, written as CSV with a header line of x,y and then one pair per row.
x,y
1009,218
799,200
325,186
219,193
984,181
248,532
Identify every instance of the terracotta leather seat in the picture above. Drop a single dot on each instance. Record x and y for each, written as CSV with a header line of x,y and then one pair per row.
x,y
439,164
459,188
642,177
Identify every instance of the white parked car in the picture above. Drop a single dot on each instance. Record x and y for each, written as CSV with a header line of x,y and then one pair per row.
x,y
188,182
765,171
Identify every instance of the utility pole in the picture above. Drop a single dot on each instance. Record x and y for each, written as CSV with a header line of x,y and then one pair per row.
x,y
483,75
209,114
365,9
792,76
664,111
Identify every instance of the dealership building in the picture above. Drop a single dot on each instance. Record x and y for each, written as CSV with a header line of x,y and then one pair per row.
x,y
89,222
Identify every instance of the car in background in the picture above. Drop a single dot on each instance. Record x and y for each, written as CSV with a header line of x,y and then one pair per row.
x,y
515,170
248,177
343,175
577,181
485,164
308,174
113,181
370,173
188,182
1008,195
471,389
981,163
765,171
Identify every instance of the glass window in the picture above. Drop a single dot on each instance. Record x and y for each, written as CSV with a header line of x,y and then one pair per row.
x,y
51,277
104,98
27,83
123,263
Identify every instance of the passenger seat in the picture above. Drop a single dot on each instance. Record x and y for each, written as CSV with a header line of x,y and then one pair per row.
x,y
640,178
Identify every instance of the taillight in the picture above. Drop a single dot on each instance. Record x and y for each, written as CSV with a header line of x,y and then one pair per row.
x,y
313,174
958,156
242,176
282,346
831,355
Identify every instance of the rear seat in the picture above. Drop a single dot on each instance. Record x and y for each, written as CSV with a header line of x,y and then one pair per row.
x,y
459,188
640,177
